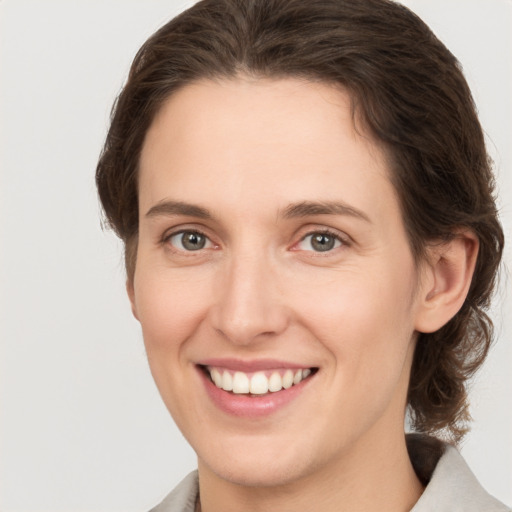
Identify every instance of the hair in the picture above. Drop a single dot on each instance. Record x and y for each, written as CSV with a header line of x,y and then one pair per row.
x,y
409,92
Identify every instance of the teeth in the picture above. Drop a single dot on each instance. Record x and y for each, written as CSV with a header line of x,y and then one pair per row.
x,y
275,383
217,377
257,383
227,382
288,379
240,383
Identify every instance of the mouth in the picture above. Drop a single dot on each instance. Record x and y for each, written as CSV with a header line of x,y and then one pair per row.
x,y
259,383
255,389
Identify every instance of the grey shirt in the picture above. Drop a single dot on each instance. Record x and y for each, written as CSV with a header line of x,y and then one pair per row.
x,y
450,484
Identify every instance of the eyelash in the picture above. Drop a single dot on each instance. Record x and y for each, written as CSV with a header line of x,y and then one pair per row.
x,y
342,241
338,239
166,239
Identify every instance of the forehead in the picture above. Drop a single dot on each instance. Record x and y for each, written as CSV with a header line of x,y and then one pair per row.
x,y
255,140
293,109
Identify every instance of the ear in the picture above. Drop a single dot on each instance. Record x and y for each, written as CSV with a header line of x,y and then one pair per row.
x,y
130,290
446,280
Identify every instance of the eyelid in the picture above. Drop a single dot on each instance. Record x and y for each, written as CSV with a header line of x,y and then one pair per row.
x,y
179,230
344,239
306,231
184,227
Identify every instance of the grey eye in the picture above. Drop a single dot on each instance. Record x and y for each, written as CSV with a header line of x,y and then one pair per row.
x,y
319,242
189,241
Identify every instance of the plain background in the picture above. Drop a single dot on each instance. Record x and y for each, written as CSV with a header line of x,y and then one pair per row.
x,y
82,425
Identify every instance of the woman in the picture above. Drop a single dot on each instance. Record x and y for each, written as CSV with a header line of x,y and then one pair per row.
x,y
311,244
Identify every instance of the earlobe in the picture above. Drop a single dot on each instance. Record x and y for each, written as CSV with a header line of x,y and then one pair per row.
x,y
446,280
130,290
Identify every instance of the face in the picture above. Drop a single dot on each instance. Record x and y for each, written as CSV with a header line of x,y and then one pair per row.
x,y
274,282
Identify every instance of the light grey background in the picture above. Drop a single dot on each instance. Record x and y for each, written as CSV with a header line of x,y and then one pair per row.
x,y
82,425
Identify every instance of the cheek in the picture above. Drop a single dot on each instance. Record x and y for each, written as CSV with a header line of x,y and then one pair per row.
x,y
358,299
365,319
170,306
371,344
170,309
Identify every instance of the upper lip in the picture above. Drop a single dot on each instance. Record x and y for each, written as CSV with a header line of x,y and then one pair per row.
x,y
251,366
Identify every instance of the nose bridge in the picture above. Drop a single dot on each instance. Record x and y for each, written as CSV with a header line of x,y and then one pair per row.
x,y
249,305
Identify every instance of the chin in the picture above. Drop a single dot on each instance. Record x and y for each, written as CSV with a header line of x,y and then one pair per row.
x,y
269,473
259,464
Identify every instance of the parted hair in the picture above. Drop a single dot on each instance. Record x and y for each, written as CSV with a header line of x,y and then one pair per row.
x,y
409,93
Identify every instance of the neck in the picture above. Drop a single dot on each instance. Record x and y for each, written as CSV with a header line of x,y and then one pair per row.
x,y
371,476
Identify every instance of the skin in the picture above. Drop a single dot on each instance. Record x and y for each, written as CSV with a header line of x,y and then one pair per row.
x,y
245,150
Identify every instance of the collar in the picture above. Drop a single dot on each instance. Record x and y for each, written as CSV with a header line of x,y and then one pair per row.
x,y
450,484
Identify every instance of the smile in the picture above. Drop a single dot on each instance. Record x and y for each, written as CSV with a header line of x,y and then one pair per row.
x,y
257,383
254,389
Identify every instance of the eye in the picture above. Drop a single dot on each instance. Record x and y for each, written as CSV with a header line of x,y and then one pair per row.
x,y
320,242
189,241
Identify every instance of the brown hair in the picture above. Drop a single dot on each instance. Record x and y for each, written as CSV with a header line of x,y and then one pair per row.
x,y
410,93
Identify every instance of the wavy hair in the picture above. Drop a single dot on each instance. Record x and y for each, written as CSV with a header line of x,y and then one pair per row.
x,y
410,94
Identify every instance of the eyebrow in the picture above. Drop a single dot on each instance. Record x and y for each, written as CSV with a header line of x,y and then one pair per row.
x,y
170,208
309,208
292,211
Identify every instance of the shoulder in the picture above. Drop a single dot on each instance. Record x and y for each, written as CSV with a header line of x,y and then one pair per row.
x,y
452,487
182,498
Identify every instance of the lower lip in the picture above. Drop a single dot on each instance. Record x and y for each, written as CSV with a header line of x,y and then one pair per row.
x,y
251,406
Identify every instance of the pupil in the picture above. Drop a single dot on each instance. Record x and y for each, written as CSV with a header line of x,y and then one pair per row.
x,y
193,241
322,242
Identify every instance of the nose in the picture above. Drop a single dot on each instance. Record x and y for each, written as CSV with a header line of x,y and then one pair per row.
x,y
249,305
